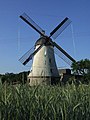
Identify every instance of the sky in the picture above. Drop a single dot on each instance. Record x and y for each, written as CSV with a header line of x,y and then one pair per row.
x,y
16,37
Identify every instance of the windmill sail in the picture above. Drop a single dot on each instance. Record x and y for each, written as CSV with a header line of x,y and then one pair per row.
x,y
30,22
62,56
26,55
62,53
29,55
59,29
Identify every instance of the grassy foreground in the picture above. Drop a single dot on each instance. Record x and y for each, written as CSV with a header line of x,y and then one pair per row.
x,y
23,102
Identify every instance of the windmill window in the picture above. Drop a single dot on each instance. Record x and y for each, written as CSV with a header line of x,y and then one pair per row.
x,y
49,60
29,80
51,70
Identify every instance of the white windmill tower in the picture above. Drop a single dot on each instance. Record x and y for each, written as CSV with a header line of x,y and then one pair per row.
x,y
44,68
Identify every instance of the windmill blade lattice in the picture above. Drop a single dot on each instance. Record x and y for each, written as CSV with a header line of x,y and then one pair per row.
x,y
62,53
59,29
30,22
62,56
29,55
26,56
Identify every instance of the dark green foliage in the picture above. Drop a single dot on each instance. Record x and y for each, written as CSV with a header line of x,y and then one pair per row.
x,y
82,68
23,102
12,78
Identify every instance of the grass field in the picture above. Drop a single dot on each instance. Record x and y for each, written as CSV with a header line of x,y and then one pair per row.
x,y
23,102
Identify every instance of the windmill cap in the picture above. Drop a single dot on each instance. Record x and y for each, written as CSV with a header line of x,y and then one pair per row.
x,y
41,41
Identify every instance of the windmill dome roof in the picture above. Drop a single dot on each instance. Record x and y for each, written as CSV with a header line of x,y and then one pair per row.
x,y
41,40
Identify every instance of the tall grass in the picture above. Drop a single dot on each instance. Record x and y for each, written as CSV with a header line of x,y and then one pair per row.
x,y
23,102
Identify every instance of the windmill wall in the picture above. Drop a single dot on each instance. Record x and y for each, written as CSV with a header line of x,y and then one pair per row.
x,y
44,69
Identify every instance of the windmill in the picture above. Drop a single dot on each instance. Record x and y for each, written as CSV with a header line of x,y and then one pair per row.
x,y
44,68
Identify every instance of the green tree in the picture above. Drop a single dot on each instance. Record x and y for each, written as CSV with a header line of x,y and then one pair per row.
x,y
82,68
12,78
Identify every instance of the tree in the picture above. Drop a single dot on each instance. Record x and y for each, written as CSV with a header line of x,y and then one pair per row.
x,y
82,68
12,78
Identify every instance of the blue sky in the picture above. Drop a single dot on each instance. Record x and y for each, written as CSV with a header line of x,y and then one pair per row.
x,y
16,37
